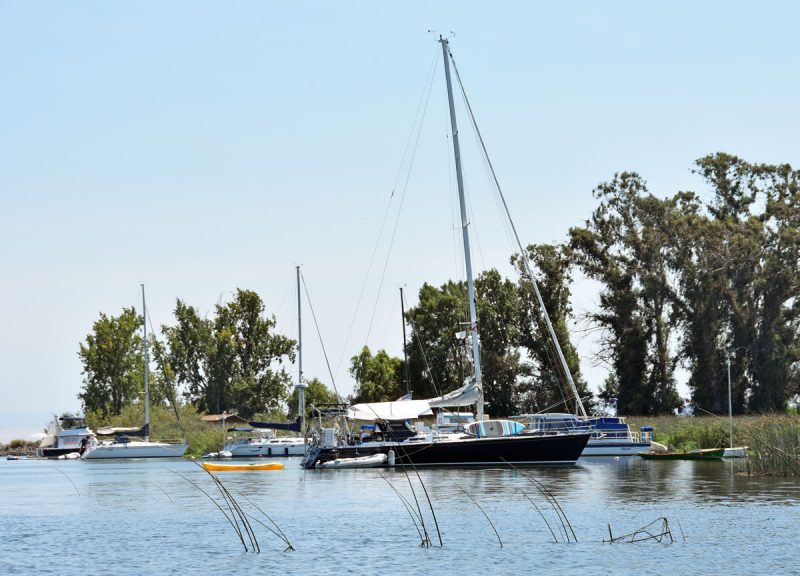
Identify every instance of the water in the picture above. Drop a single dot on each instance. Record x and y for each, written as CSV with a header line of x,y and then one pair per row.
x,y
139,517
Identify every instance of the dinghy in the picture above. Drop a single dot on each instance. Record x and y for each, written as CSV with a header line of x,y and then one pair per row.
x,y
372,461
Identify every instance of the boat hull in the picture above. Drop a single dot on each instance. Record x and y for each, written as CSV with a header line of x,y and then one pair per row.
x,y
601,448
265,450
522,449
705,454
135,450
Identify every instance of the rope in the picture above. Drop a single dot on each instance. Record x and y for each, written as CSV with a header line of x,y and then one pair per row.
x,y
319,334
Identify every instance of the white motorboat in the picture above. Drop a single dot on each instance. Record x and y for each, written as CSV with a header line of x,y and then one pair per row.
x,y
65,435
122,446
611,435
264,443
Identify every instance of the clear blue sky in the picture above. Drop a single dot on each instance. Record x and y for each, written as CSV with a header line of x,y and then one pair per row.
x,y
203,146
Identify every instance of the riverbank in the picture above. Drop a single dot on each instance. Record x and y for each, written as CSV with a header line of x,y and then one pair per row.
x,y
773,440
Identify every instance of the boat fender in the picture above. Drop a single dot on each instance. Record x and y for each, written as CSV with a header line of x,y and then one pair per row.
x,y
391,458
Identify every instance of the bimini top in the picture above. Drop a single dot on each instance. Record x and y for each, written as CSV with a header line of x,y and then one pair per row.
x,y
400,410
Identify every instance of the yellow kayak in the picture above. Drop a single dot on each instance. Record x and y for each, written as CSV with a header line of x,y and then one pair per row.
x,y
214,467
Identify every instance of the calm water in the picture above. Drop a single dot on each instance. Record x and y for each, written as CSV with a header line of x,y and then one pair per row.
x,y
139,517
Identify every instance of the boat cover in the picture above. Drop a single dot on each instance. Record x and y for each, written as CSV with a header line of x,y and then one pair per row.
x,y
292,426
468,394
136,432
402,410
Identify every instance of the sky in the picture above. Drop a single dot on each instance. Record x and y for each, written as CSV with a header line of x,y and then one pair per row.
x,y
200,147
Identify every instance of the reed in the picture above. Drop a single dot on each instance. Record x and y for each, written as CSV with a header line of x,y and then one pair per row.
x,y
773,439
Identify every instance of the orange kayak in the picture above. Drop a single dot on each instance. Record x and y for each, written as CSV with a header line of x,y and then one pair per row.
x,y
214,467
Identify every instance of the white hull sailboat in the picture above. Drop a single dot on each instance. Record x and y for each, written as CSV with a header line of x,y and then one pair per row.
x,y
122,446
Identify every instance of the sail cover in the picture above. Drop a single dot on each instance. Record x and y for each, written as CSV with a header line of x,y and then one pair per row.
x,y
400,410
468,394
116,430
290,426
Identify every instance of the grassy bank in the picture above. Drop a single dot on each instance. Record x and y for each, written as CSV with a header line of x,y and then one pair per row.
x,y
774,440
202,437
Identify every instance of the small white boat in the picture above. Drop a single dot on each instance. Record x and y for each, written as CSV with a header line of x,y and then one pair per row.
x,y
372,461
265,443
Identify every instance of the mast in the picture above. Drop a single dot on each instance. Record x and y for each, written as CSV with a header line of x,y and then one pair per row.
x,y
473,320
730,401
301,385
146,384
526,265
405,346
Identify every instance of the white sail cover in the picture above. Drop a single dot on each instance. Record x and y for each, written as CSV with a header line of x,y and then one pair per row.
x,y
468,394
400,410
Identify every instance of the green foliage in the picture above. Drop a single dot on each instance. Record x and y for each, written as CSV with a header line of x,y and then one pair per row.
x,y
546,386
112,362
316,393
378,378
233,362
623,247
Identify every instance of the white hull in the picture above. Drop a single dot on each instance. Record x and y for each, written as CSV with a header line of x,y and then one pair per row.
x,y
615,448
135,449
274,447
362,462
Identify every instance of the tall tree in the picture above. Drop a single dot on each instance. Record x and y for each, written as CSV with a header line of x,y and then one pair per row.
x,y
623,246
378,378
437,360
546,386
112,358
233,362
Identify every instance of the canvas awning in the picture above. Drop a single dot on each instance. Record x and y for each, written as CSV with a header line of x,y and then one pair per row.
x,y
400,410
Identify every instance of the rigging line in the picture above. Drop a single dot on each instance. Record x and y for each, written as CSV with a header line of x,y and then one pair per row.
x,y
523,253
429,82
319,334
400,208
422,351
158,354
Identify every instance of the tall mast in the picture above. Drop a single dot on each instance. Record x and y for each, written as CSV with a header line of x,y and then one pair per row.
x,y
301,385
405,346
473,320
146,386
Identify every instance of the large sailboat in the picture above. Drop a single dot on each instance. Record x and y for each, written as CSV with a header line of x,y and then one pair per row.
x,y
122,446
481,443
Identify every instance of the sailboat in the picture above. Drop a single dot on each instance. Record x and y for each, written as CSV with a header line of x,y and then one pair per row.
x,y
269,444
122,446
484,442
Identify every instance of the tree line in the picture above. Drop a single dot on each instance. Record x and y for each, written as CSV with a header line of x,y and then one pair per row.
x,y
694,280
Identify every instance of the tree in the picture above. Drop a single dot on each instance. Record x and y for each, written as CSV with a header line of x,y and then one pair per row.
x,y
741,283
378,378
440,350
438,361
498,309
546,386
112,359
233,362
317,393
624,246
